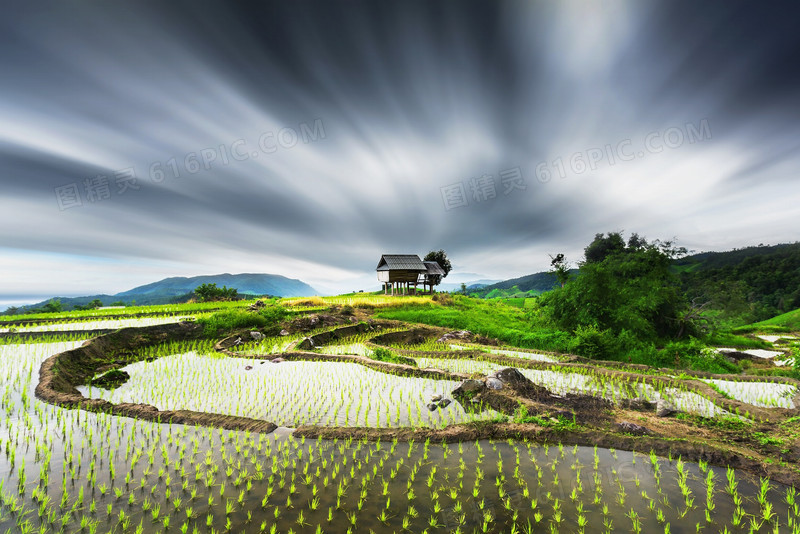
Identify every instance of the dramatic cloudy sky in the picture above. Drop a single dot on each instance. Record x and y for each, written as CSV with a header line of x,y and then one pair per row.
x,y
141,140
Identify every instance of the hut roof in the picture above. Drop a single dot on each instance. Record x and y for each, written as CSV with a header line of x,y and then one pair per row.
x,y
433,268
409,262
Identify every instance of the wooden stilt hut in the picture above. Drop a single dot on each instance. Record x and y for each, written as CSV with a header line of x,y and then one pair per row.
x,y
400,273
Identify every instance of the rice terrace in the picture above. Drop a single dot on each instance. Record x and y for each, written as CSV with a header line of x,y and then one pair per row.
x,y
358,413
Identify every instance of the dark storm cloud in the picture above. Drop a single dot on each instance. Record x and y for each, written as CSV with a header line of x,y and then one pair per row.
x,y
401,99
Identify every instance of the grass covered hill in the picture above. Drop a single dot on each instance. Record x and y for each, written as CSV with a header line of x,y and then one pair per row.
x,y
529,285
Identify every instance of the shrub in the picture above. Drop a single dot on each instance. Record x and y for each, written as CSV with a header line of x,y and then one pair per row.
x,y
445,299
210,292
795,372
385,355
693,354
227,320
111,380
273,314
594,343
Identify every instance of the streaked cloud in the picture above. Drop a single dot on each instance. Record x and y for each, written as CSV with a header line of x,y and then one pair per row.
x,y
304,139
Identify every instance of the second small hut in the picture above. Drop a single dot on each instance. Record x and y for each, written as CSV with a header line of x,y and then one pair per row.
x,y
402,273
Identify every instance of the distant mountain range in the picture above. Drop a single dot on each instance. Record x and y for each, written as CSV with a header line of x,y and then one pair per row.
x,y
179,289
471,285
534,283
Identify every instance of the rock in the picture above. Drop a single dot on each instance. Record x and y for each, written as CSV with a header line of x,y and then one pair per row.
x,y
494,383
665,408
632,428
248,367
444,403
469,388
436,397
257,305
432,406
314,320
237,342
305,344
458,335
257,336
277,360
509,375
284,332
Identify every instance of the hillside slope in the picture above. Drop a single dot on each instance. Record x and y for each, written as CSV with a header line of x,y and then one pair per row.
x,y
745,285
537,282
741,286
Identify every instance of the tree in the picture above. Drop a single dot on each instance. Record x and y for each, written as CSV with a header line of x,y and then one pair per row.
x,y
54,306
93,305
624,289
601,247
559,266
463,288
11,310
440,257
210,292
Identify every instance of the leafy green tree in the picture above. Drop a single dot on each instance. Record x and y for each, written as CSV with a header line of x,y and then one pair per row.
x,y
54,306
210,292
463,288
604,246
440,257
11,310
559,266
621,289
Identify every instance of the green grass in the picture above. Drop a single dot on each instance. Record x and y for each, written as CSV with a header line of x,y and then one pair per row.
x,y
560,422
790,320
761,329
385,355
726,339
723,422
517,302
224,321
491,318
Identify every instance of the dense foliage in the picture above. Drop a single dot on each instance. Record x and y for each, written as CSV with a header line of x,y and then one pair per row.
x,y
227,320
440,257
622,289
210,292
385,355
746,285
